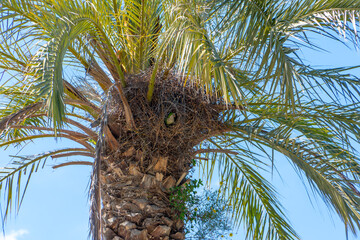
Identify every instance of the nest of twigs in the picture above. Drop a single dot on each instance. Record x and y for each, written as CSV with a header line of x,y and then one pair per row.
x,y
197,117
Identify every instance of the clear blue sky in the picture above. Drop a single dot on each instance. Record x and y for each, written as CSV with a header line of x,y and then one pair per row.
x,y
56,204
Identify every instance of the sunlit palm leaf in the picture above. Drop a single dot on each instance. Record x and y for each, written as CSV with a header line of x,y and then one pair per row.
x,y
332,177
252,198
21,169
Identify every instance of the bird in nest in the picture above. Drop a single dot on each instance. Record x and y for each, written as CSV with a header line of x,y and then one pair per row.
x,y
170,119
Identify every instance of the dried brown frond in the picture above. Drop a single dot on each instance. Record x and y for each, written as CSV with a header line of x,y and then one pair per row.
x,y
98,74
87,163
20,115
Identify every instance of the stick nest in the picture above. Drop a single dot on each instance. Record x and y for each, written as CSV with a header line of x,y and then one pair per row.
x,y
197,118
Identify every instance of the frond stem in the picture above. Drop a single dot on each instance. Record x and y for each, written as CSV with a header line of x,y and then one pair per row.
x,y
226,151
87,163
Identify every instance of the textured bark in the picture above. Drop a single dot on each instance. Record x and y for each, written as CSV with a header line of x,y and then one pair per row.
x,y
136,206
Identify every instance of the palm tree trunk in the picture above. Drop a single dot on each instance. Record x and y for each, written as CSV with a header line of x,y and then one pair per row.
x,y
139,167
136,205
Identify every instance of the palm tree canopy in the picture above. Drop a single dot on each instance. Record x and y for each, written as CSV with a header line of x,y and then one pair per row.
x,y
61,59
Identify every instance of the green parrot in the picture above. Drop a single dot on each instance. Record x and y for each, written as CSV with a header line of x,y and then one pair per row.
x,y
170,119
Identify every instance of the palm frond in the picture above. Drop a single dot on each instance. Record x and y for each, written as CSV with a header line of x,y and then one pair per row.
x,y
20,170
332,177
195,53
251,197
264,38
46,63
141,21
337,83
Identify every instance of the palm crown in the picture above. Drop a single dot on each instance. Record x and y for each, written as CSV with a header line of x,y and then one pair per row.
x,y
237,59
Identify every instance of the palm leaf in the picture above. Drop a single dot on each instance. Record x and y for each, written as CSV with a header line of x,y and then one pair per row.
x,y
329,176
11,177
251,197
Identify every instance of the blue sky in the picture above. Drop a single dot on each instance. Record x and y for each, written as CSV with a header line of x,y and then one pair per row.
x,y
56,204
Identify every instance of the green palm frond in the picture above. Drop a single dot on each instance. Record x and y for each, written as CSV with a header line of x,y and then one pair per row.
x,y
328,123
141,21
265,37
251,197
20,170
336,83
46,64
332,172
318,139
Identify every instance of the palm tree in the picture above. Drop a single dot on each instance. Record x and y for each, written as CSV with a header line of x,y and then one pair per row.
x,y
147,88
